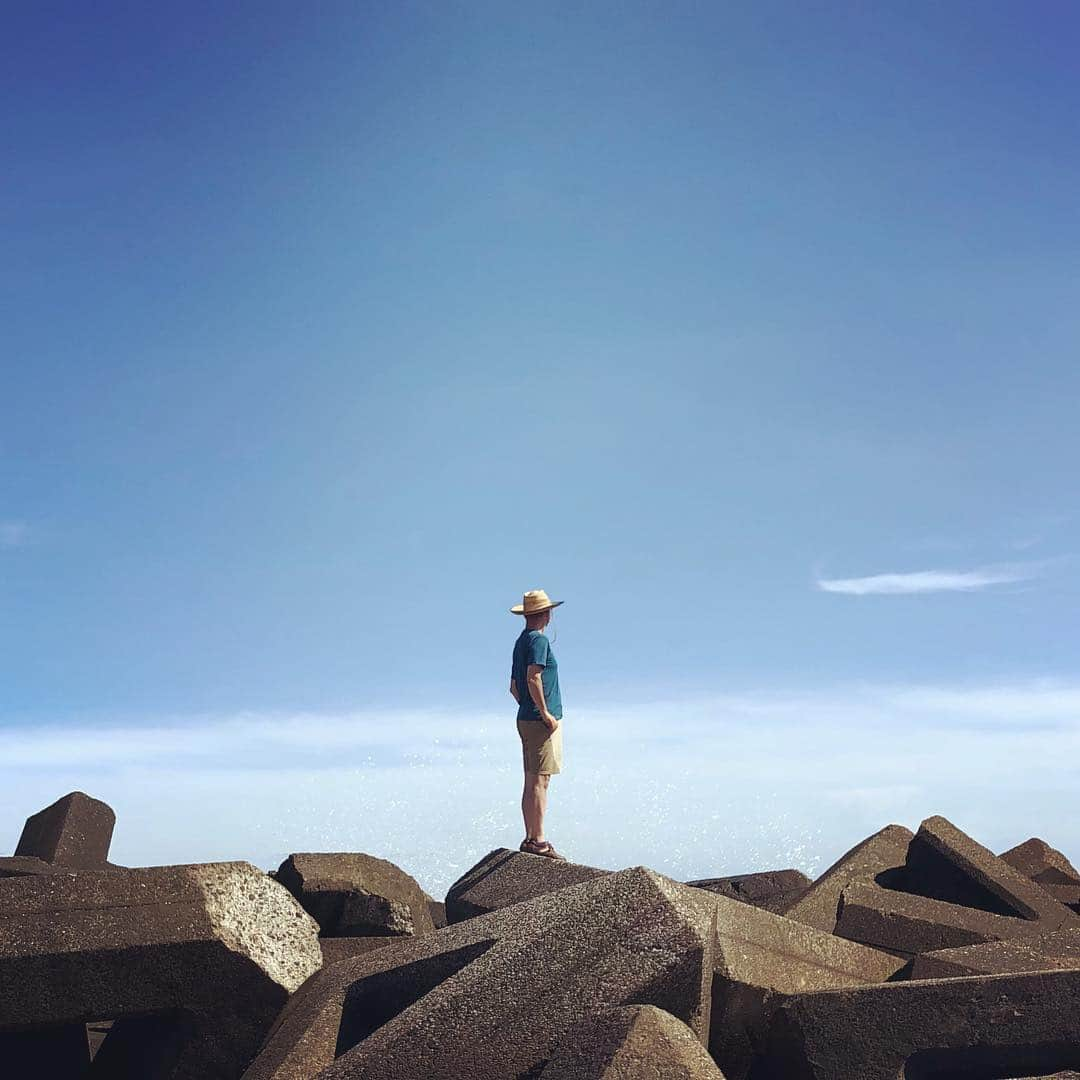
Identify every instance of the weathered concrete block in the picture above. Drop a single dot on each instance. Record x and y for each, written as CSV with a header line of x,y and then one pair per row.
x,y
437,911
570,952
214,950
491,997
1048,952
74,832
504,877
350,894
1003,1025
881,853
907,924
1069,895
631,1043
1037,860
947,864
759,958
772,890
25,866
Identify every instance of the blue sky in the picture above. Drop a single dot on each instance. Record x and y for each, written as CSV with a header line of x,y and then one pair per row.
x,y
750,331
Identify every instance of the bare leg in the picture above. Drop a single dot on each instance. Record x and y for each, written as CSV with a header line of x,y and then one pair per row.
x,y
534,804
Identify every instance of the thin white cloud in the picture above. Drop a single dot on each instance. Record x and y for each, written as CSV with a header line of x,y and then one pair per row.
x,y
928,581
13,534
1047,703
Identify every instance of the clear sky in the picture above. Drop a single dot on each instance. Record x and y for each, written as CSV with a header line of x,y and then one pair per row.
x,y
328,329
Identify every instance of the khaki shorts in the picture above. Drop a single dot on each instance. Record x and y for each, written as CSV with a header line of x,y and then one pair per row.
x,y
540,748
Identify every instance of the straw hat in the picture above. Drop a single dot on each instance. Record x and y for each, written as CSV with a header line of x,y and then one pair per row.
x,y
533,602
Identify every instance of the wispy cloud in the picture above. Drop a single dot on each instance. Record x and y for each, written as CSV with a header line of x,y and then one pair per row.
x,y
13,534
927,581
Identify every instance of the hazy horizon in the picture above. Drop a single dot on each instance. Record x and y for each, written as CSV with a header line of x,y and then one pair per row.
x,y
693,788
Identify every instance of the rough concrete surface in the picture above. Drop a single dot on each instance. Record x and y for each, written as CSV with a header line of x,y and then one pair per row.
x,y
773,890
504,877
1048,952
490,998
947,864
908,924
988,1026
74,831
1039,861
353,894
923,956
638,1042
25,866
437,911
216,948
759,956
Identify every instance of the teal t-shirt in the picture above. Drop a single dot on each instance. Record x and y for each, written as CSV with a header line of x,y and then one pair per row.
x,y
533,647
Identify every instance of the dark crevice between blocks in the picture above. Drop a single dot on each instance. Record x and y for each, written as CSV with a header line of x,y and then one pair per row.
x,y
141,1047
993,1062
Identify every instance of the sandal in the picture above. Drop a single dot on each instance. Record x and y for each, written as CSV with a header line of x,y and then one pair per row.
x,y
541,847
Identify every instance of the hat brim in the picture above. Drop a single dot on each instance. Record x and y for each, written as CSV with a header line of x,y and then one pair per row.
x,y
519,609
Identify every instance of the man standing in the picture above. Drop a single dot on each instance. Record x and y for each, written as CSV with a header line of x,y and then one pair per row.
x,y
534,683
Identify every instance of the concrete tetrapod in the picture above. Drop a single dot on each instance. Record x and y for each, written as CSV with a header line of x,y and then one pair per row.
x,y
989,1026
437,911
1057,950
908,924
74,833
1069,895
773,890
204,956
504,877
1037,860
350,894
881,853
490,998
760,957
946,864
638,1042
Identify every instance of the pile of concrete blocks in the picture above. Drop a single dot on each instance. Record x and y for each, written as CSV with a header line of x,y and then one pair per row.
x,y
918,955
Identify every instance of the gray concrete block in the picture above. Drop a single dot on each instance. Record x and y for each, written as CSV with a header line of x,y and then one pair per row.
x,y
1058,950
350,894
218,947
490,998
631,1043
988,1026
503,877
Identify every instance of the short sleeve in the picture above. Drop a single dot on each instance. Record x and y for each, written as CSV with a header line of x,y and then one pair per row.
x,y
537,652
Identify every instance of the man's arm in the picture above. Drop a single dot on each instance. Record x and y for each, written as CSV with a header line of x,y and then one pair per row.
x,y
536,692
514,691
